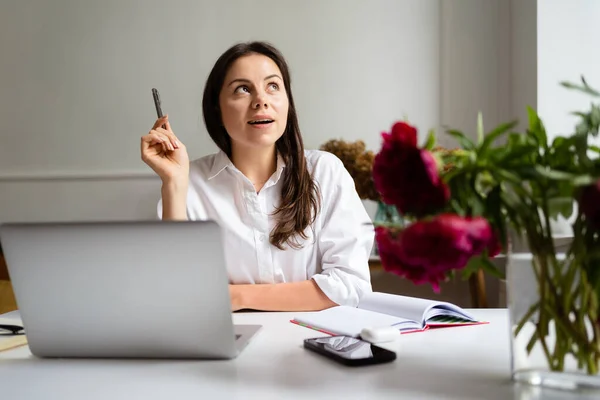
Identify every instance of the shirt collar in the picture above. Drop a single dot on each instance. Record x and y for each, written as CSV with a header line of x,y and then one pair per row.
x,y
222,161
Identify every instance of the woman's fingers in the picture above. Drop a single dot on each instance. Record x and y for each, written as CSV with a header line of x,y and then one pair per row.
x,y
154,138
160,122
168,124
166,140
172,138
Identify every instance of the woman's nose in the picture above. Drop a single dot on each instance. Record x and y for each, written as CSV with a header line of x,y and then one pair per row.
x,y
260,101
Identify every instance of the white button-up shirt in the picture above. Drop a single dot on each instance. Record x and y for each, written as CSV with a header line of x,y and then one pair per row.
x,y
337,250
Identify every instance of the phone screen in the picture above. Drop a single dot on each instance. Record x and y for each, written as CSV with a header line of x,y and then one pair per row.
x,y
350,350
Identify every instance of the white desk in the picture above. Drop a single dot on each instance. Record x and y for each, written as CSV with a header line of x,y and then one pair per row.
x,y
455,363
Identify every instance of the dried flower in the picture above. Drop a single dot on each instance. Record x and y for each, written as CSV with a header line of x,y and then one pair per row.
x,y
443,154
359,164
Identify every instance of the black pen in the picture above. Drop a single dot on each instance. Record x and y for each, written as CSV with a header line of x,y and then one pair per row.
x,y
159,112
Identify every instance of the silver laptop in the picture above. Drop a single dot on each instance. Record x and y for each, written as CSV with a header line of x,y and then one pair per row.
x,y
152,289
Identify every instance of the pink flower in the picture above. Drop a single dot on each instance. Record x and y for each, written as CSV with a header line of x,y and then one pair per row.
x,y
590,204
407,176
427,250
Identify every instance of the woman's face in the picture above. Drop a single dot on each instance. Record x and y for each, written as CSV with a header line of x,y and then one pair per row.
x,y
254,103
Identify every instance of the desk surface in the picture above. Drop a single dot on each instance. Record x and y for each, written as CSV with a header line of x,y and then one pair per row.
x,y
455,363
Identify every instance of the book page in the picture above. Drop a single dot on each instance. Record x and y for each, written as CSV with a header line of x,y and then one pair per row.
x,y
411,308
350,321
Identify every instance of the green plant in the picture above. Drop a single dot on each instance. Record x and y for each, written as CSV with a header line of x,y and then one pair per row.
x,y
520,185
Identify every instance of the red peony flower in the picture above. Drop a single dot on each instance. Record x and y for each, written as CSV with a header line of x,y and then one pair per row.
x,y
590,204
407,176
426,251
404,133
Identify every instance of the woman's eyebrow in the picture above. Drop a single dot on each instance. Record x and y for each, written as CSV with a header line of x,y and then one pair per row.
x,y
272,76
243,80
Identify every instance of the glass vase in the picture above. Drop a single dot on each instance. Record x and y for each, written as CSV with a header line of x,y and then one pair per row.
x,y
387,214
553,344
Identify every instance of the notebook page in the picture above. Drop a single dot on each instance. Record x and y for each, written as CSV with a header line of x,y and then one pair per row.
x,y
350,321
411,308
452,312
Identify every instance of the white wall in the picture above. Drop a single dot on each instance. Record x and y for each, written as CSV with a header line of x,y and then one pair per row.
x,y
75,80
568,47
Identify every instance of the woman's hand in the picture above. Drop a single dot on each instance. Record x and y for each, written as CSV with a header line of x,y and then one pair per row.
x,y
164,153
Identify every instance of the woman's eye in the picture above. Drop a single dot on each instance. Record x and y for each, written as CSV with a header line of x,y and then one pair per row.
x,y
242,89
273,86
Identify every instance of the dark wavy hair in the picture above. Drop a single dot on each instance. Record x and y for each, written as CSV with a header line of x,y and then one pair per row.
x,y
300,197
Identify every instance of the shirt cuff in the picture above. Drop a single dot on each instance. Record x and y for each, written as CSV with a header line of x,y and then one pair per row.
x,y
342,288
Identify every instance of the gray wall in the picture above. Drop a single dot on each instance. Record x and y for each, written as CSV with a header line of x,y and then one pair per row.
x,y
75,79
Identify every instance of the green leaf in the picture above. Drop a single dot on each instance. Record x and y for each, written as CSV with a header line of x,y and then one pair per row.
x,y
553,174
514,153
476,204
462,139
457,208
472,266
507,176
595,117
584,180
480,132
585,88
498,131
488,266
430,142
536,128
560,206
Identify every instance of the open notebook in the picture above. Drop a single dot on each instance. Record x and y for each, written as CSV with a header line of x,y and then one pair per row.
x,y
408,314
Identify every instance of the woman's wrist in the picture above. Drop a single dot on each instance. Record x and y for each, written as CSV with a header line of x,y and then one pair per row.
x,y
175,185
174,199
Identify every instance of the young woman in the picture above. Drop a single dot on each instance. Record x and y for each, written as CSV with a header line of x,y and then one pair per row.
x,y
297,236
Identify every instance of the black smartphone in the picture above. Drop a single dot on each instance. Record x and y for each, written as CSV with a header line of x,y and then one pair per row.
x,y
157,104
349,350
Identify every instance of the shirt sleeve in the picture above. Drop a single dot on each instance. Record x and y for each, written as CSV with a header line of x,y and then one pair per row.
x,y
195,209
345,239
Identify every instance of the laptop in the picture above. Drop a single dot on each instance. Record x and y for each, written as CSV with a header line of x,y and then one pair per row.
x,y
146,289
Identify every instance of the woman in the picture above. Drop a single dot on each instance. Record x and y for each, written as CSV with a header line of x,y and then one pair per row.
x,y
297,237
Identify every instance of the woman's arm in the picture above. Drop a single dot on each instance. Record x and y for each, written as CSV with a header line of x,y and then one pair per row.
x,y
174,195
293,296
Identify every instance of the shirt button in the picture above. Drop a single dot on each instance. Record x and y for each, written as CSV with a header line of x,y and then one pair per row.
x,y
262,238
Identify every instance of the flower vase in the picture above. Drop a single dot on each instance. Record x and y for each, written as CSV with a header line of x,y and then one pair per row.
x,y
554,343
387,214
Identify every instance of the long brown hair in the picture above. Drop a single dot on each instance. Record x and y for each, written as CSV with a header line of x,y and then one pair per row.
x,y
300,197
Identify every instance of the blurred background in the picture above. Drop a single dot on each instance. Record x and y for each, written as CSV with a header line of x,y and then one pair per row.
x,y
76,79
